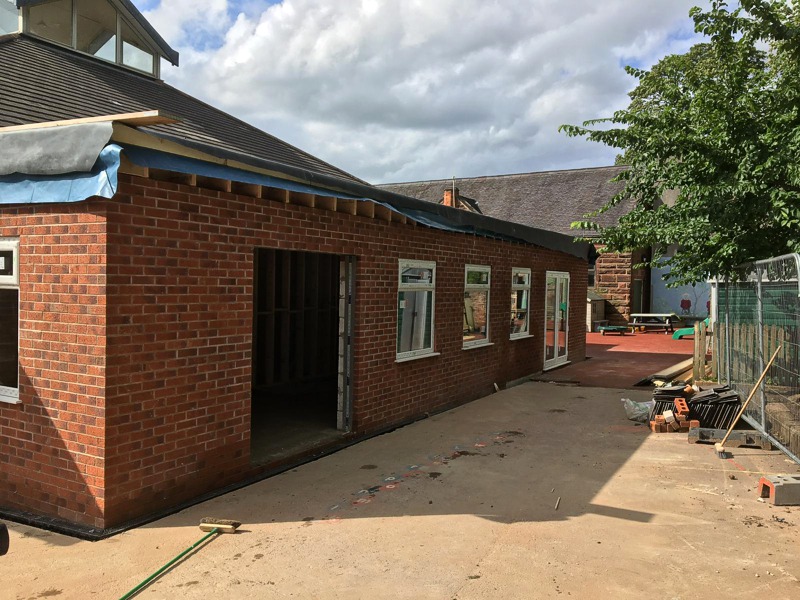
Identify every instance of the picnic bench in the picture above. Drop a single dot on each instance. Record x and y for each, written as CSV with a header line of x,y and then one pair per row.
x,y
647,321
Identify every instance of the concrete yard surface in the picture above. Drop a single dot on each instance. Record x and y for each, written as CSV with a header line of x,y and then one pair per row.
x,y
464,505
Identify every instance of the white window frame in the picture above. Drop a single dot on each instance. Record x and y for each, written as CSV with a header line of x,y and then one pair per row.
x,y
479,287
517,287
417,287
11,282
120,19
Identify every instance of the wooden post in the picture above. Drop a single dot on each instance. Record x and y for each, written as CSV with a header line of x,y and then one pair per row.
x,y
715,346
696,370
703,348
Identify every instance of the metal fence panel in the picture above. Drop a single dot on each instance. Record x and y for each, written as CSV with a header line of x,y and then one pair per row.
x,y
754,317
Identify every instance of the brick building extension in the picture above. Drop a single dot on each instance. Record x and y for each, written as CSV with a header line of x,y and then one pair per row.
x,y
188,303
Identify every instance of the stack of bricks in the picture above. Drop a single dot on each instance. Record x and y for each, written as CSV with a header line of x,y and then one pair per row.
x,y
674,421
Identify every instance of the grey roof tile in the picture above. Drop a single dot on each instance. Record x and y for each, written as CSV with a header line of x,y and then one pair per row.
x,y
42,82
549,200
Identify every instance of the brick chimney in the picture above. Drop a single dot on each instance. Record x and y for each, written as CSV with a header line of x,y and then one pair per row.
x,y
451,197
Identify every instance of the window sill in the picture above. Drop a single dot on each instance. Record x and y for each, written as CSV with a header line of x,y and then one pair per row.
x,y
7,398
418,357
563,364
521,337
473,346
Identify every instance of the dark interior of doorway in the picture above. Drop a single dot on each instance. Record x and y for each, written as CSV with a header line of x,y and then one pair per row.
x,y
296,353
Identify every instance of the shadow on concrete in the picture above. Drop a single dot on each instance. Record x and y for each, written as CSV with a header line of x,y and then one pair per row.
x,y
536,452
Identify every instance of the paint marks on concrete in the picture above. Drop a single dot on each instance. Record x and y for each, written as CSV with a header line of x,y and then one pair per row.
x,y
422,469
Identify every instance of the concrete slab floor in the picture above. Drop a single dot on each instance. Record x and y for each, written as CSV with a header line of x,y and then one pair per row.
x,y
463,506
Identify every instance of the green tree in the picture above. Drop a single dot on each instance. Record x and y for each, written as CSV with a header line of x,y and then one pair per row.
x,y
720,127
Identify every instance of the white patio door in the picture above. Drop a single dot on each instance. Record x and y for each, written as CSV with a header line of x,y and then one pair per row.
x,y
556,319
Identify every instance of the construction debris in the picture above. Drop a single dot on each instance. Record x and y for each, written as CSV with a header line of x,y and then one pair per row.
x,y
737,439
781,490
679,407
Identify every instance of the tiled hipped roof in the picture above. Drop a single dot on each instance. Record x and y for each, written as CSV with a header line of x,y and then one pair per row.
x,y
549,200
41,82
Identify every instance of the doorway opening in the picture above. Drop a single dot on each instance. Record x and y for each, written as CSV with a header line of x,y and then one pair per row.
x,y
556,319
301,352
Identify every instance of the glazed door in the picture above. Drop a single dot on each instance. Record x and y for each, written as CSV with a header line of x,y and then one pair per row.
x,y
556,319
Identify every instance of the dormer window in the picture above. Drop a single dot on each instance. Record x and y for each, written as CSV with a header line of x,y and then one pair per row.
x,y
134,53
9,17
101,28
97,30
52,21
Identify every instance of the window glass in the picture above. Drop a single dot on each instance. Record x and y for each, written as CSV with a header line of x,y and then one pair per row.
x,y
9,353
477,281
97,29
415,302
414,321
9,17
521,277
520,297
477,277
6,263
412,274
52,21
134,52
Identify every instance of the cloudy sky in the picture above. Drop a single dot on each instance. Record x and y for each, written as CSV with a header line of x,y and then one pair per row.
x,y
405,90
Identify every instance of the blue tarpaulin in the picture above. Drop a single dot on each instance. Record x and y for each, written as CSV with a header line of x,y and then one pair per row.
x,y
145,157
67,187
102,181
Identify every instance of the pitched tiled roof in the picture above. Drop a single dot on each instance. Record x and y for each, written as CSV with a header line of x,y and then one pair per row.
x,y
41,82
549,200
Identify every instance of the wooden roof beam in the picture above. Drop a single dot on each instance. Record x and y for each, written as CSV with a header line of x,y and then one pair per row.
x,y
347,206
328,203
247,189
137,119
383,213
303,199
365,209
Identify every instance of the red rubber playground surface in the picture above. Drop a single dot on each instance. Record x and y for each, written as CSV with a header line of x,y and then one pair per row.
x,y
620,361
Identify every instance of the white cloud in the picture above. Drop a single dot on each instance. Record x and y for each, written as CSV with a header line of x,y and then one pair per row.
x,y
182,24
414,89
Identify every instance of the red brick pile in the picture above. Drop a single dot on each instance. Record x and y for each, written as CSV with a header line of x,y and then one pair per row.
x,y
675,420
680,407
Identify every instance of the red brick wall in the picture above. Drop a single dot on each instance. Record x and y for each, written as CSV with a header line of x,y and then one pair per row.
x,y
612,279
52,443
614,275
178,320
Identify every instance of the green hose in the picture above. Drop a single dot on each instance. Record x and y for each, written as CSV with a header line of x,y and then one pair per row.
x,y
166,567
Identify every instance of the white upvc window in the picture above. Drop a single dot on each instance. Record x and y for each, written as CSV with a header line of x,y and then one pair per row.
x,y
477,284
416,290
520,303
9,320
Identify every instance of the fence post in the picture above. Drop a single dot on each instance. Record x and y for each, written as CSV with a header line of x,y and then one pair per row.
x,y
727,334
703,350
760,349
